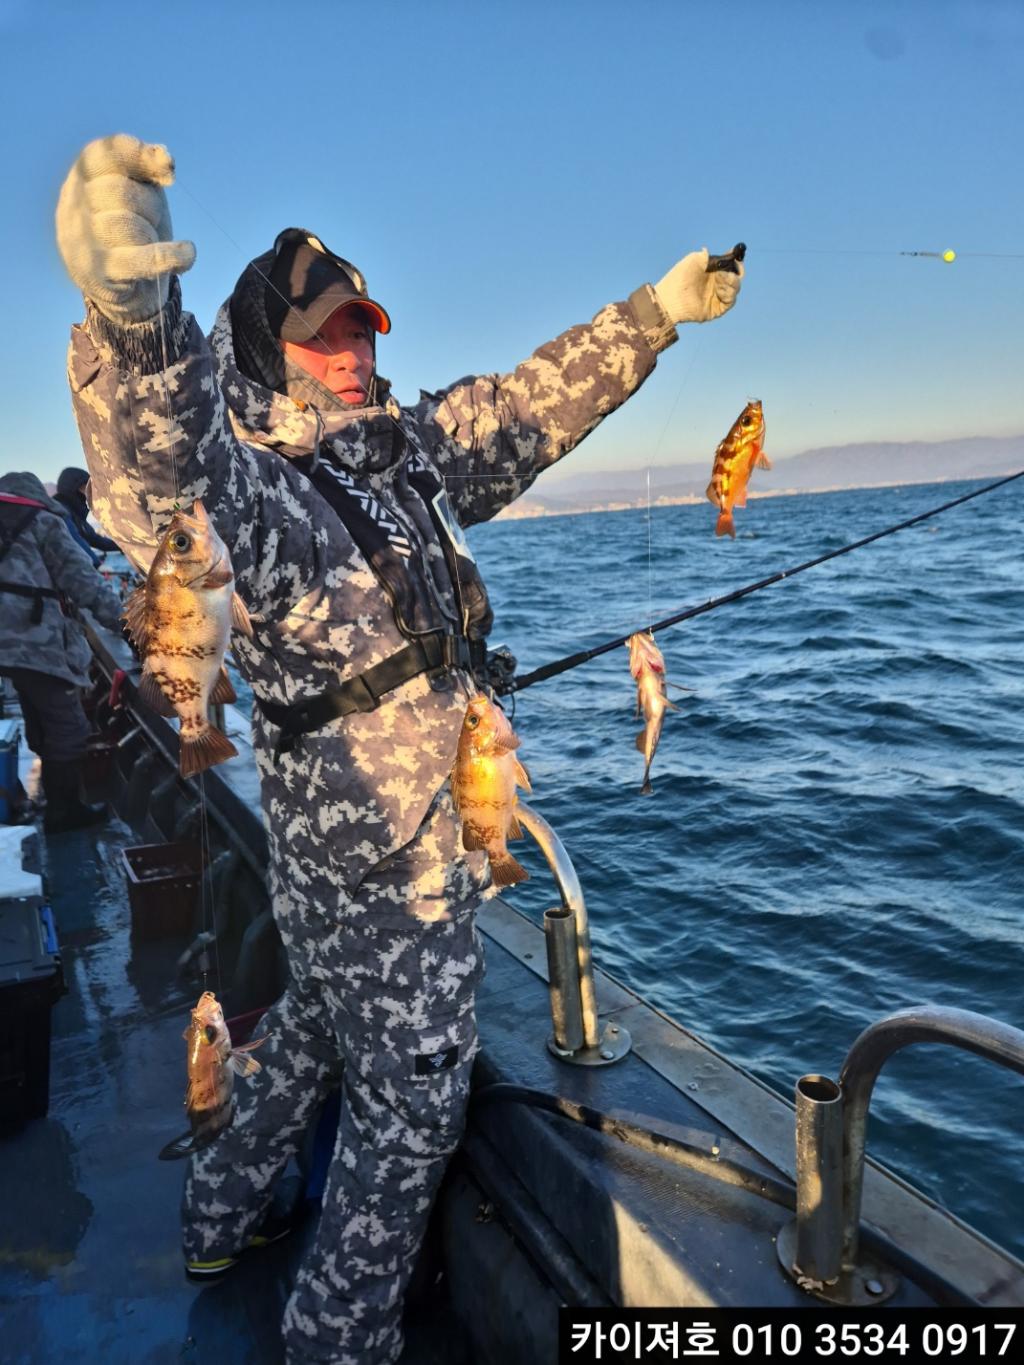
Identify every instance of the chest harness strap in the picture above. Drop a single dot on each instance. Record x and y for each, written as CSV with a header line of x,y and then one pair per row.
x,y
435,653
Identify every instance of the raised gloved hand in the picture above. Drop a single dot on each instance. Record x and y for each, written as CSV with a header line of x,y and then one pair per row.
x,y
689,294
114,228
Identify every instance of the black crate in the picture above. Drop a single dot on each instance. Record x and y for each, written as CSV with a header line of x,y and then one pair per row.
x,y
163,888
31,981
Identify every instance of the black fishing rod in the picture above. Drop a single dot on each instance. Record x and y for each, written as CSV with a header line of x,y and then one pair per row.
x,y
574,660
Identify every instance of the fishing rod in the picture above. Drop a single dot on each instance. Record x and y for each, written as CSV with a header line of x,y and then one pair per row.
x,y
515,685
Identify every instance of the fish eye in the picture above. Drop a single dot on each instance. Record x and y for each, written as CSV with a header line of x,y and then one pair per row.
x,y
472,720
181,542
748,421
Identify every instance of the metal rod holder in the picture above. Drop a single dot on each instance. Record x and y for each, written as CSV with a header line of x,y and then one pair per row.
x,y
819,1187
577,1036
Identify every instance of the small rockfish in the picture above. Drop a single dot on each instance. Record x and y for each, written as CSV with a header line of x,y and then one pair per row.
x,y
648,668
736,458
212,1066
181,620
484,783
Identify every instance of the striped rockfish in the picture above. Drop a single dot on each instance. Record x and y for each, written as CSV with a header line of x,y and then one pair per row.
x,y
736,458
181,620
213,1064
484,783
648,668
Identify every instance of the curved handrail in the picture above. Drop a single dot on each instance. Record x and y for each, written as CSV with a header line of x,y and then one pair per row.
x,y
927,1024
572,899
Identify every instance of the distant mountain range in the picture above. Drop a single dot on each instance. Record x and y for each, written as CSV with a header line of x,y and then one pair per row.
x,y
869,464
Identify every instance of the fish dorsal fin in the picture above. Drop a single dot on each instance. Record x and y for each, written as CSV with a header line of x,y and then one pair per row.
x,y
223,691
150,694
240,616
134,616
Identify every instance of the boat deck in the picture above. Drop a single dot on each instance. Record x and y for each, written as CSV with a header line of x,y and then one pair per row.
x,y
90,1260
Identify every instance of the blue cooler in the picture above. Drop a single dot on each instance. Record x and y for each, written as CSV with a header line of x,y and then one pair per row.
x,y
10,732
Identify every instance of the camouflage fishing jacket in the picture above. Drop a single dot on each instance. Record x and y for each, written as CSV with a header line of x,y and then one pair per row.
x,y
36,632
166,415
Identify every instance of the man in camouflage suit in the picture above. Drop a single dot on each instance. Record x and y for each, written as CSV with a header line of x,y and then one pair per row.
x,y
372,891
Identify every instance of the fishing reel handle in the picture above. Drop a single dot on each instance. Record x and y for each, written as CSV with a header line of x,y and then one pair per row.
x,y
728,262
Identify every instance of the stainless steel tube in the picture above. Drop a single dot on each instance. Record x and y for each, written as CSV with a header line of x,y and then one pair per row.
x,y
572,899
960,1028
819,1184
563,979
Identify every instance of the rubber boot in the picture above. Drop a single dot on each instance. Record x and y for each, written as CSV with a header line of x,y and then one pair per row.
x,y
65,808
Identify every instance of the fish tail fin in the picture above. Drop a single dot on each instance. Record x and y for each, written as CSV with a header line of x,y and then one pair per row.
x,y
726,526
204,751
505,871
647,789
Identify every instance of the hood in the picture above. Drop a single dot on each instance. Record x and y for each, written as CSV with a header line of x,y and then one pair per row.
x,y
306,421
72,481
27,485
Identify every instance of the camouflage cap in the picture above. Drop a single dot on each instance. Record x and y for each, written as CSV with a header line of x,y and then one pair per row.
x,y
307,283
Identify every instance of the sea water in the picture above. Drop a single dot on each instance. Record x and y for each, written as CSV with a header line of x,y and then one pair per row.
x,y
837,827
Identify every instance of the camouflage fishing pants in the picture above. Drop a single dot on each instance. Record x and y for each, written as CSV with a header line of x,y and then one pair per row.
x,y
381,1002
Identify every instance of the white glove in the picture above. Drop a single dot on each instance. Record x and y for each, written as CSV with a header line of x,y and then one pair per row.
x,y
114,228
689,294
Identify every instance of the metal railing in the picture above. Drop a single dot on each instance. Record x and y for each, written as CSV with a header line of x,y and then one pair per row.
x,y
821,1249
576,1032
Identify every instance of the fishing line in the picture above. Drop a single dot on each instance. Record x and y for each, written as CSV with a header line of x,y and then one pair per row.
x,y
853,251
207,885
574,660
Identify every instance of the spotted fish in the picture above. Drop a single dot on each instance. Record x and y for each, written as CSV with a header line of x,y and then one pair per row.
x,y
736,458
181,620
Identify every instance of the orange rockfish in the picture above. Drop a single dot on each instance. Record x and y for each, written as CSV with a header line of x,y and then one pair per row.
x,y
648,668
212,1066
484,782
181,621
736,458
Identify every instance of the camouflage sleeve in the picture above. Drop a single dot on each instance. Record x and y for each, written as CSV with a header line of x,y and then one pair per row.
x,y
491,435
156,431
74,574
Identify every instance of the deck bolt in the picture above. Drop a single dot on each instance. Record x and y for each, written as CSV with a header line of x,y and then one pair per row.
x,y
874,1286
613,1028
607,1054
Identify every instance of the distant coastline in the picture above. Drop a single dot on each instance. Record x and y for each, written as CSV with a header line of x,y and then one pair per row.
x,y
525,509
827,470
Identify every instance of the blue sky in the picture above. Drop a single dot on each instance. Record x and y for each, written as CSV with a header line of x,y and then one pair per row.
x,y
502,170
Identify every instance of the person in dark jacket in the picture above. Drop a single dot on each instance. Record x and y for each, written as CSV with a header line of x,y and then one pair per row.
x,y
71,495
43,649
